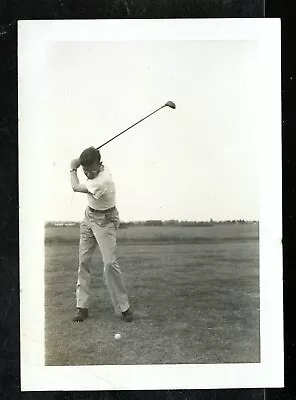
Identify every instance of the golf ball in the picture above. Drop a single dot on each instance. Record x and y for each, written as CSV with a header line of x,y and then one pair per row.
x,y
117,336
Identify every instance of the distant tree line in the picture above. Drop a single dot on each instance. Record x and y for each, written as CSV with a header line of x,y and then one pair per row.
x,y
62,223
159,222
174,222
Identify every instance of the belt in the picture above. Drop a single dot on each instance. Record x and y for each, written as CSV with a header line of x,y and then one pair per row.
x,y
102,211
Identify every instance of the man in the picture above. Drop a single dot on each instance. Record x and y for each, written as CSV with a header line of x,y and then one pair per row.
x,y
99,226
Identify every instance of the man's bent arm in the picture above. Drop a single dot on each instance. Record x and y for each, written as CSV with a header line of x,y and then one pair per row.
x,y
76,186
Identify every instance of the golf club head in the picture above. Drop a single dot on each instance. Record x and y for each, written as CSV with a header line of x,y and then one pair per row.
x,y
170,104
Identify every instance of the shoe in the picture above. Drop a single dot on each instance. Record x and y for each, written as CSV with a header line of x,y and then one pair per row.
x,y
81,314
127,315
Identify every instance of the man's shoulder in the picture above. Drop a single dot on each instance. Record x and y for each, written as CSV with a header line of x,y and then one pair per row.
x,y
106,172
103,176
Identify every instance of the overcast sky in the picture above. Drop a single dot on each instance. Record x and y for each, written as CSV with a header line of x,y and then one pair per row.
x,y
196,162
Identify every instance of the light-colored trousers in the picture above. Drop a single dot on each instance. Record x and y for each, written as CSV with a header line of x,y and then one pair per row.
x,y
100,228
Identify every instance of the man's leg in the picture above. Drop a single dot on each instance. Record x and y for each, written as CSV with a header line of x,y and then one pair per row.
x,y
87,246
106,238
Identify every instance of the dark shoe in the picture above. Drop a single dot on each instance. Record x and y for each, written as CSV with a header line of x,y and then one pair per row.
x,y
127,315
81,314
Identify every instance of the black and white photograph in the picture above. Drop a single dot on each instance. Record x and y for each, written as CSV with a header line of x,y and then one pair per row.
x,y
150,226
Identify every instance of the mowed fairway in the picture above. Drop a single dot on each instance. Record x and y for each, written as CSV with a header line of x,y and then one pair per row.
x,y
194,292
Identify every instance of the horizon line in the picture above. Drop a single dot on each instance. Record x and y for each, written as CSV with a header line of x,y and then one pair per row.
x,y
165,220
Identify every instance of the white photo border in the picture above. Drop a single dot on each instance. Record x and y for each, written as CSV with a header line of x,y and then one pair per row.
x,y
33,37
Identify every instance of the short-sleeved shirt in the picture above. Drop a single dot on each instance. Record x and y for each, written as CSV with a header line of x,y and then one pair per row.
x,y
102,191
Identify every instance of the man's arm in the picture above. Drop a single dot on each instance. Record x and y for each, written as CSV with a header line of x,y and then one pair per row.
x,y
76,186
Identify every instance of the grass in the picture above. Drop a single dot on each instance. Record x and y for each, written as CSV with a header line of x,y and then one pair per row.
x,y
193,302
224,232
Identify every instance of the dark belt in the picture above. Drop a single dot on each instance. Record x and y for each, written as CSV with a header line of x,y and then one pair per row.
x,y
102,211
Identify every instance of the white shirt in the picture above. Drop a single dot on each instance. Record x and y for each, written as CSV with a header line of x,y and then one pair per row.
x,y
102,191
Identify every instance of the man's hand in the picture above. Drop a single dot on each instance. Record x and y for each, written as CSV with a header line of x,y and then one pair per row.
x,y
75,163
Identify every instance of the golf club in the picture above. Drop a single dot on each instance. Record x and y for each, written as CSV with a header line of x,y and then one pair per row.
x,y
167,104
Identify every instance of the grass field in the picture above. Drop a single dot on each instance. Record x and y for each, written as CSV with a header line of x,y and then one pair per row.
x,y
194,292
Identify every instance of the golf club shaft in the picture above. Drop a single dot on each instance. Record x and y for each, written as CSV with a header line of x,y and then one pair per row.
x,y
108,141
